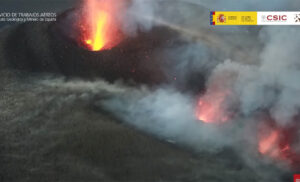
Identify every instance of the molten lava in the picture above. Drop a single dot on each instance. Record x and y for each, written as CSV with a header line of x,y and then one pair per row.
x,y
211,107
269,144
216,105
277,143
99,26
98,38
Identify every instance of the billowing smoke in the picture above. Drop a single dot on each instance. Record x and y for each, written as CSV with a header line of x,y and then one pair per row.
x,y
168,114
272,84
280,66
144,14
245,91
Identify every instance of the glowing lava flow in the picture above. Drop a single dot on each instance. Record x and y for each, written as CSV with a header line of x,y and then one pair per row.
x,y
210,108
269,144
100,28
277,142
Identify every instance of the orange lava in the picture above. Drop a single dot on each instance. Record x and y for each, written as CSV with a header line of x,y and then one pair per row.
x,y
210,108
100,26
277,143
269,144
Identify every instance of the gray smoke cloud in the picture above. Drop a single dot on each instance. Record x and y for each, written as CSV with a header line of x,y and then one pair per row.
x,y
169,115
272,84
144,14
266,80
193,14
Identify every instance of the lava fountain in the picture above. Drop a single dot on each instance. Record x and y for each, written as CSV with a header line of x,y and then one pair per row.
x,y
99,25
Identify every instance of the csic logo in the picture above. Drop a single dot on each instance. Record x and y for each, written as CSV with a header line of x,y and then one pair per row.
x,y
221,18
274,18
297,18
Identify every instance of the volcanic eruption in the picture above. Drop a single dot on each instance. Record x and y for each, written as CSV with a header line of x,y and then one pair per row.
x,y
279,142
99,26
214,106
150,91
222,102
211,109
